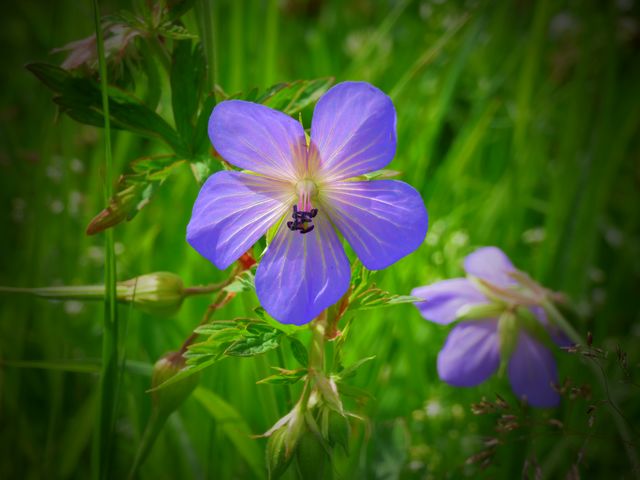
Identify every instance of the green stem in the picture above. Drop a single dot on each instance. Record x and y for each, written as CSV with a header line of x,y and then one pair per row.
x,y
81,292
204,289
621,423
316,354
558,319
109,377
204,9
97,292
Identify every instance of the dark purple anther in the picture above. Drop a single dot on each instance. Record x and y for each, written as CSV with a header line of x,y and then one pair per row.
x,y
302,220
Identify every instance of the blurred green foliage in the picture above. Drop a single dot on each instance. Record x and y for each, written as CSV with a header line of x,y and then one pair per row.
x,y
518,122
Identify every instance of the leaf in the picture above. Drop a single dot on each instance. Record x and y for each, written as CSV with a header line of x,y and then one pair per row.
x,y
359,394
351,370
255,344
187,81
299,351
80,98
187,372
241,337
376,298
360,278
175,32
292,97
242,282
285,377
287,329
231,423
215,326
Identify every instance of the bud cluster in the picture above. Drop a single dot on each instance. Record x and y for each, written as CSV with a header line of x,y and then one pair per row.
x,y
309,433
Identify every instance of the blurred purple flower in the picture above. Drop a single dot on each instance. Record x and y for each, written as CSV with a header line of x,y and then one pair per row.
x,y
472,352
304,269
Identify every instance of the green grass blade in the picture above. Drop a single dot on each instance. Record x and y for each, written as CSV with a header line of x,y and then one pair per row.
x,y
109,378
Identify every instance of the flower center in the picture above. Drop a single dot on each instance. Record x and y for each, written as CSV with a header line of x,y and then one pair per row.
x,y
303,211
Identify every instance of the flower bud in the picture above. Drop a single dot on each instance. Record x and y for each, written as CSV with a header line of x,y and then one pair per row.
x,y
169,398
310,456
159,293
120,207
278,459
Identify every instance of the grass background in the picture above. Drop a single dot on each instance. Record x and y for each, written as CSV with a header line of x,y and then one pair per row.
x,y
517,121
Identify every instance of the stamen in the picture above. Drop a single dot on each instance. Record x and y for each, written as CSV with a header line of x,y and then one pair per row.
x,y
303,211
302,220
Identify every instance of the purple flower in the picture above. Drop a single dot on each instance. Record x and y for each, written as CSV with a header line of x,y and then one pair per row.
x,y
307,191
475,349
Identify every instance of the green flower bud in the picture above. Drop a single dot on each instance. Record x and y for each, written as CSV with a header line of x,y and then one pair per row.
x,y
159,293
169,398
295,427
310,456
278,459
121,207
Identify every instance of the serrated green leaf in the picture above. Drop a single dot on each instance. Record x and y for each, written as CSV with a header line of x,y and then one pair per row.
x,y
378,298
175,32
254,344
291,98
268,319
214,327
81,99
360,278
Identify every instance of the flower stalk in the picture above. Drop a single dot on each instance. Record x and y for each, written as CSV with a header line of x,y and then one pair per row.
x,y
159,293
